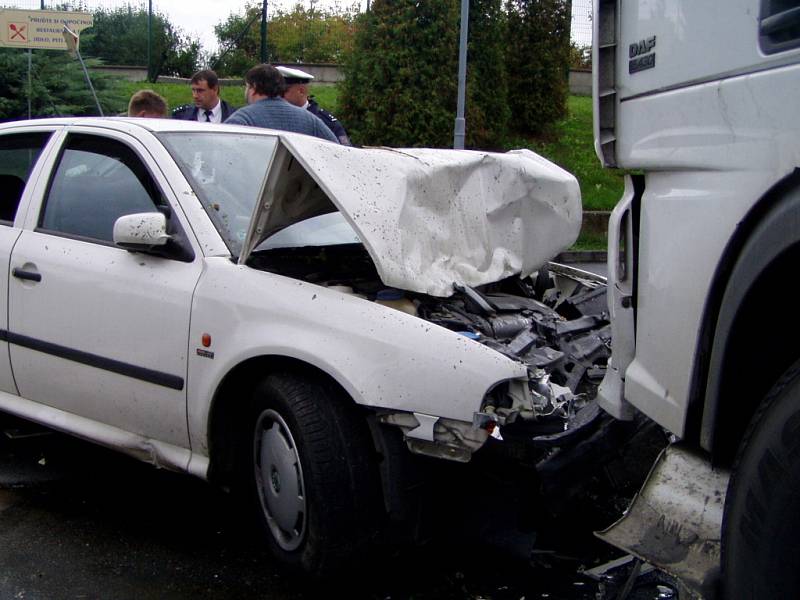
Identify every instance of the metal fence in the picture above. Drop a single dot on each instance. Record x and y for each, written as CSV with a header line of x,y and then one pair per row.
x,y
78,5
582,22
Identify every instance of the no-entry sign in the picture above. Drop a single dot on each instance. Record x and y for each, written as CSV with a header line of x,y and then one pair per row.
x,y
40,28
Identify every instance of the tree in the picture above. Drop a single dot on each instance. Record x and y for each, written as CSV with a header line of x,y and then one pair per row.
x,y
401,77
539,55
299,35
59,87
239,34
488,109
310,35
119,36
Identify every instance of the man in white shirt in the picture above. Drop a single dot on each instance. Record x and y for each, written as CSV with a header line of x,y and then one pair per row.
x,y
207,107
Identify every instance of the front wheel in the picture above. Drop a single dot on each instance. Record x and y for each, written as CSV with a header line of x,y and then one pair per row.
x,y
312,473
761,525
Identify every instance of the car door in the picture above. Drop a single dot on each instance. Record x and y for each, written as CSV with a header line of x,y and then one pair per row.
x,y
96,330
19,152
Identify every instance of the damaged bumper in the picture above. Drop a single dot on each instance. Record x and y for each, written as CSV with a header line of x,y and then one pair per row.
x,y
675,521
557,327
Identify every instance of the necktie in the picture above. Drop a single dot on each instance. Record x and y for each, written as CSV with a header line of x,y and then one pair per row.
x,y
208,114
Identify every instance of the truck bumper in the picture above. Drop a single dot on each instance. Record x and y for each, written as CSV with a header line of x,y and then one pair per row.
x,y
675,521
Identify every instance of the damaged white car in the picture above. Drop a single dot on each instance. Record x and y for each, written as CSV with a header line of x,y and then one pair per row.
x,y
276,312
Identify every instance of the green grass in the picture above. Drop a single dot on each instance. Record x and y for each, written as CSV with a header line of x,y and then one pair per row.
x,y
177,94
590,241
327,95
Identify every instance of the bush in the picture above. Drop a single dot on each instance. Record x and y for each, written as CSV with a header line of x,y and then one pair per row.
x,y
59,86
488,110
119,37
298,35
401,78
538,55
399,86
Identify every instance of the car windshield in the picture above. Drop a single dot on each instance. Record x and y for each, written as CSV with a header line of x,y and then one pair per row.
x,y
226,171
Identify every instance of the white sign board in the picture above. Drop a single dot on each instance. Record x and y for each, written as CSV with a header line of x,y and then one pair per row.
x,y
39,28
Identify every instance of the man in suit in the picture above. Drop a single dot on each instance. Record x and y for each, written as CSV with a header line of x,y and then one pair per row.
x,y
207,107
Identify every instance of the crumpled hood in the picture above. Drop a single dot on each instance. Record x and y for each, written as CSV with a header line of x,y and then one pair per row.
x,y
431,218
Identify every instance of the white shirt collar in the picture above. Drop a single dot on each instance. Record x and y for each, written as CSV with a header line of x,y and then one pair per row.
x,y
216,113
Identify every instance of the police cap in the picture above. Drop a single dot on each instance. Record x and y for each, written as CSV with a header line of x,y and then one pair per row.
x,y
294,75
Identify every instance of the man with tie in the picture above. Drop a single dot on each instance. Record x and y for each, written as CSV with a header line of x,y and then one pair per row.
x,y
207,107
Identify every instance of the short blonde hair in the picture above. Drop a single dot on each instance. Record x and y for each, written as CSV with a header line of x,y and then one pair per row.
x,y
148,102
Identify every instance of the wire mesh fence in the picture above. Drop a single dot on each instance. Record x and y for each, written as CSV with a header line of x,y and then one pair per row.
x,y
582,22
77,5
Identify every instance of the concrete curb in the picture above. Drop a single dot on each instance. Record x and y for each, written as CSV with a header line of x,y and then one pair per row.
x,y
581,256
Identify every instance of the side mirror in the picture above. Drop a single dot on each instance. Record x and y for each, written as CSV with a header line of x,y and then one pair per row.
x,y
141,231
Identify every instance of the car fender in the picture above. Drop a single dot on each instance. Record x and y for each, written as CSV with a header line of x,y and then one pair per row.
x,y
381,357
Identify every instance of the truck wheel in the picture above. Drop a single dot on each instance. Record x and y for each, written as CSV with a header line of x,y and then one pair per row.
x,y
761,524
311,475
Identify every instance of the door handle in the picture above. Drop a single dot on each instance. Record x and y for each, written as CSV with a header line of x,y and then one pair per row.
x,y
27,275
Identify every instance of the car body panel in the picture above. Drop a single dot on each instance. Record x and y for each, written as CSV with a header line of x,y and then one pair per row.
x,y
692,42
96,303
701,181
109,343
382,357
432,218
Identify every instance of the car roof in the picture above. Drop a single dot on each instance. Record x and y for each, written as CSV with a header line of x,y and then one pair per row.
x,y
130,124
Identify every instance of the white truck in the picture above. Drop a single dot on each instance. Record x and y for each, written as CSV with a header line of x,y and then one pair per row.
x,y
700,101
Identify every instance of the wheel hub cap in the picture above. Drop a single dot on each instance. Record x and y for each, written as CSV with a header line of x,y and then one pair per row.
x,y
279,476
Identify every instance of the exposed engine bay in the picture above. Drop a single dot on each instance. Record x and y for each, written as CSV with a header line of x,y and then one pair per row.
x,y
555,322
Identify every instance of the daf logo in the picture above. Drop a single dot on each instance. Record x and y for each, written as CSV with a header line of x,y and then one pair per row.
x,y
642,56
641,47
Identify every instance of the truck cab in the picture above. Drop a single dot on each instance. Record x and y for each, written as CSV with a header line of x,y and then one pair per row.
x,y
698,101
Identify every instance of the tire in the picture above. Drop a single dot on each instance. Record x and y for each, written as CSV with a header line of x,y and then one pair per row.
x,y
312,476
761,524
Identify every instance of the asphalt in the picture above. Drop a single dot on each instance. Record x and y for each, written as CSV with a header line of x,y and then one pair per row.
x,y
78,521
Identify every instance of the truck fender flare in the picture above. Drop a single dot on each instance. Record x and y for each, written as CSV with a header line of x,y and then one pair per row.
x,y
767,232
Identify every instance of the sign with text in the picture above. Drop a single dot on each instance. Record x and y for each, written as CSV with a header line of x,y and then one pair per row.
x,y
42,29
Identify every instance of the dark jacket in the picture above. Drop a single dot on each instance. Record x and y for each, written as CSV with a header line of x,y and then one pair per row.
x,y
332,122
188,112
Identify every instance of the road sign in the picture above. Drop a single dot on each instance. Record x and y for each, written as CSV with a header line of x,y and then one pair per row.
x,y
39,28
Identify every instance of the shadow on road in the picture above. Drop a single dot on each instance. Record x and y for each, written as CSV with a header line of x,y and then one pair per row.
x,y
78,521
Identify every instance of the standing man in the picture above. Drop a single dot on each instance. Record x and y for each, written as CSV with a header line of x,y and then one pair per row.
x,y
264,87
296,93
207,107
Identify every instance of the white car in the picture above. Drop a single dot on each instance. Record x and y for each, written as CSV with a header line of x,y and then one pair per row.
x,y
274,311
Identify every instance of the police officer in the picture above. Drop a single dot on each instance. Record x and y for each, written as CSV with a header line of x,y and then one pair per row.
x,y
207,107
297,93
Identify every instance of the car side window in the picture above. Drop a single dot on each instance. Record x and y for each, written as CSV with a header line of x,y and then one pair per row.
x,y
97,180
18,155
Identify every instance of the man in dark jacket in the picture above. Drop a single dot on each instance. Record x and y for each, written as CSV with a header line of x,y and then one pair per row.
x,y
207,107
297,93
